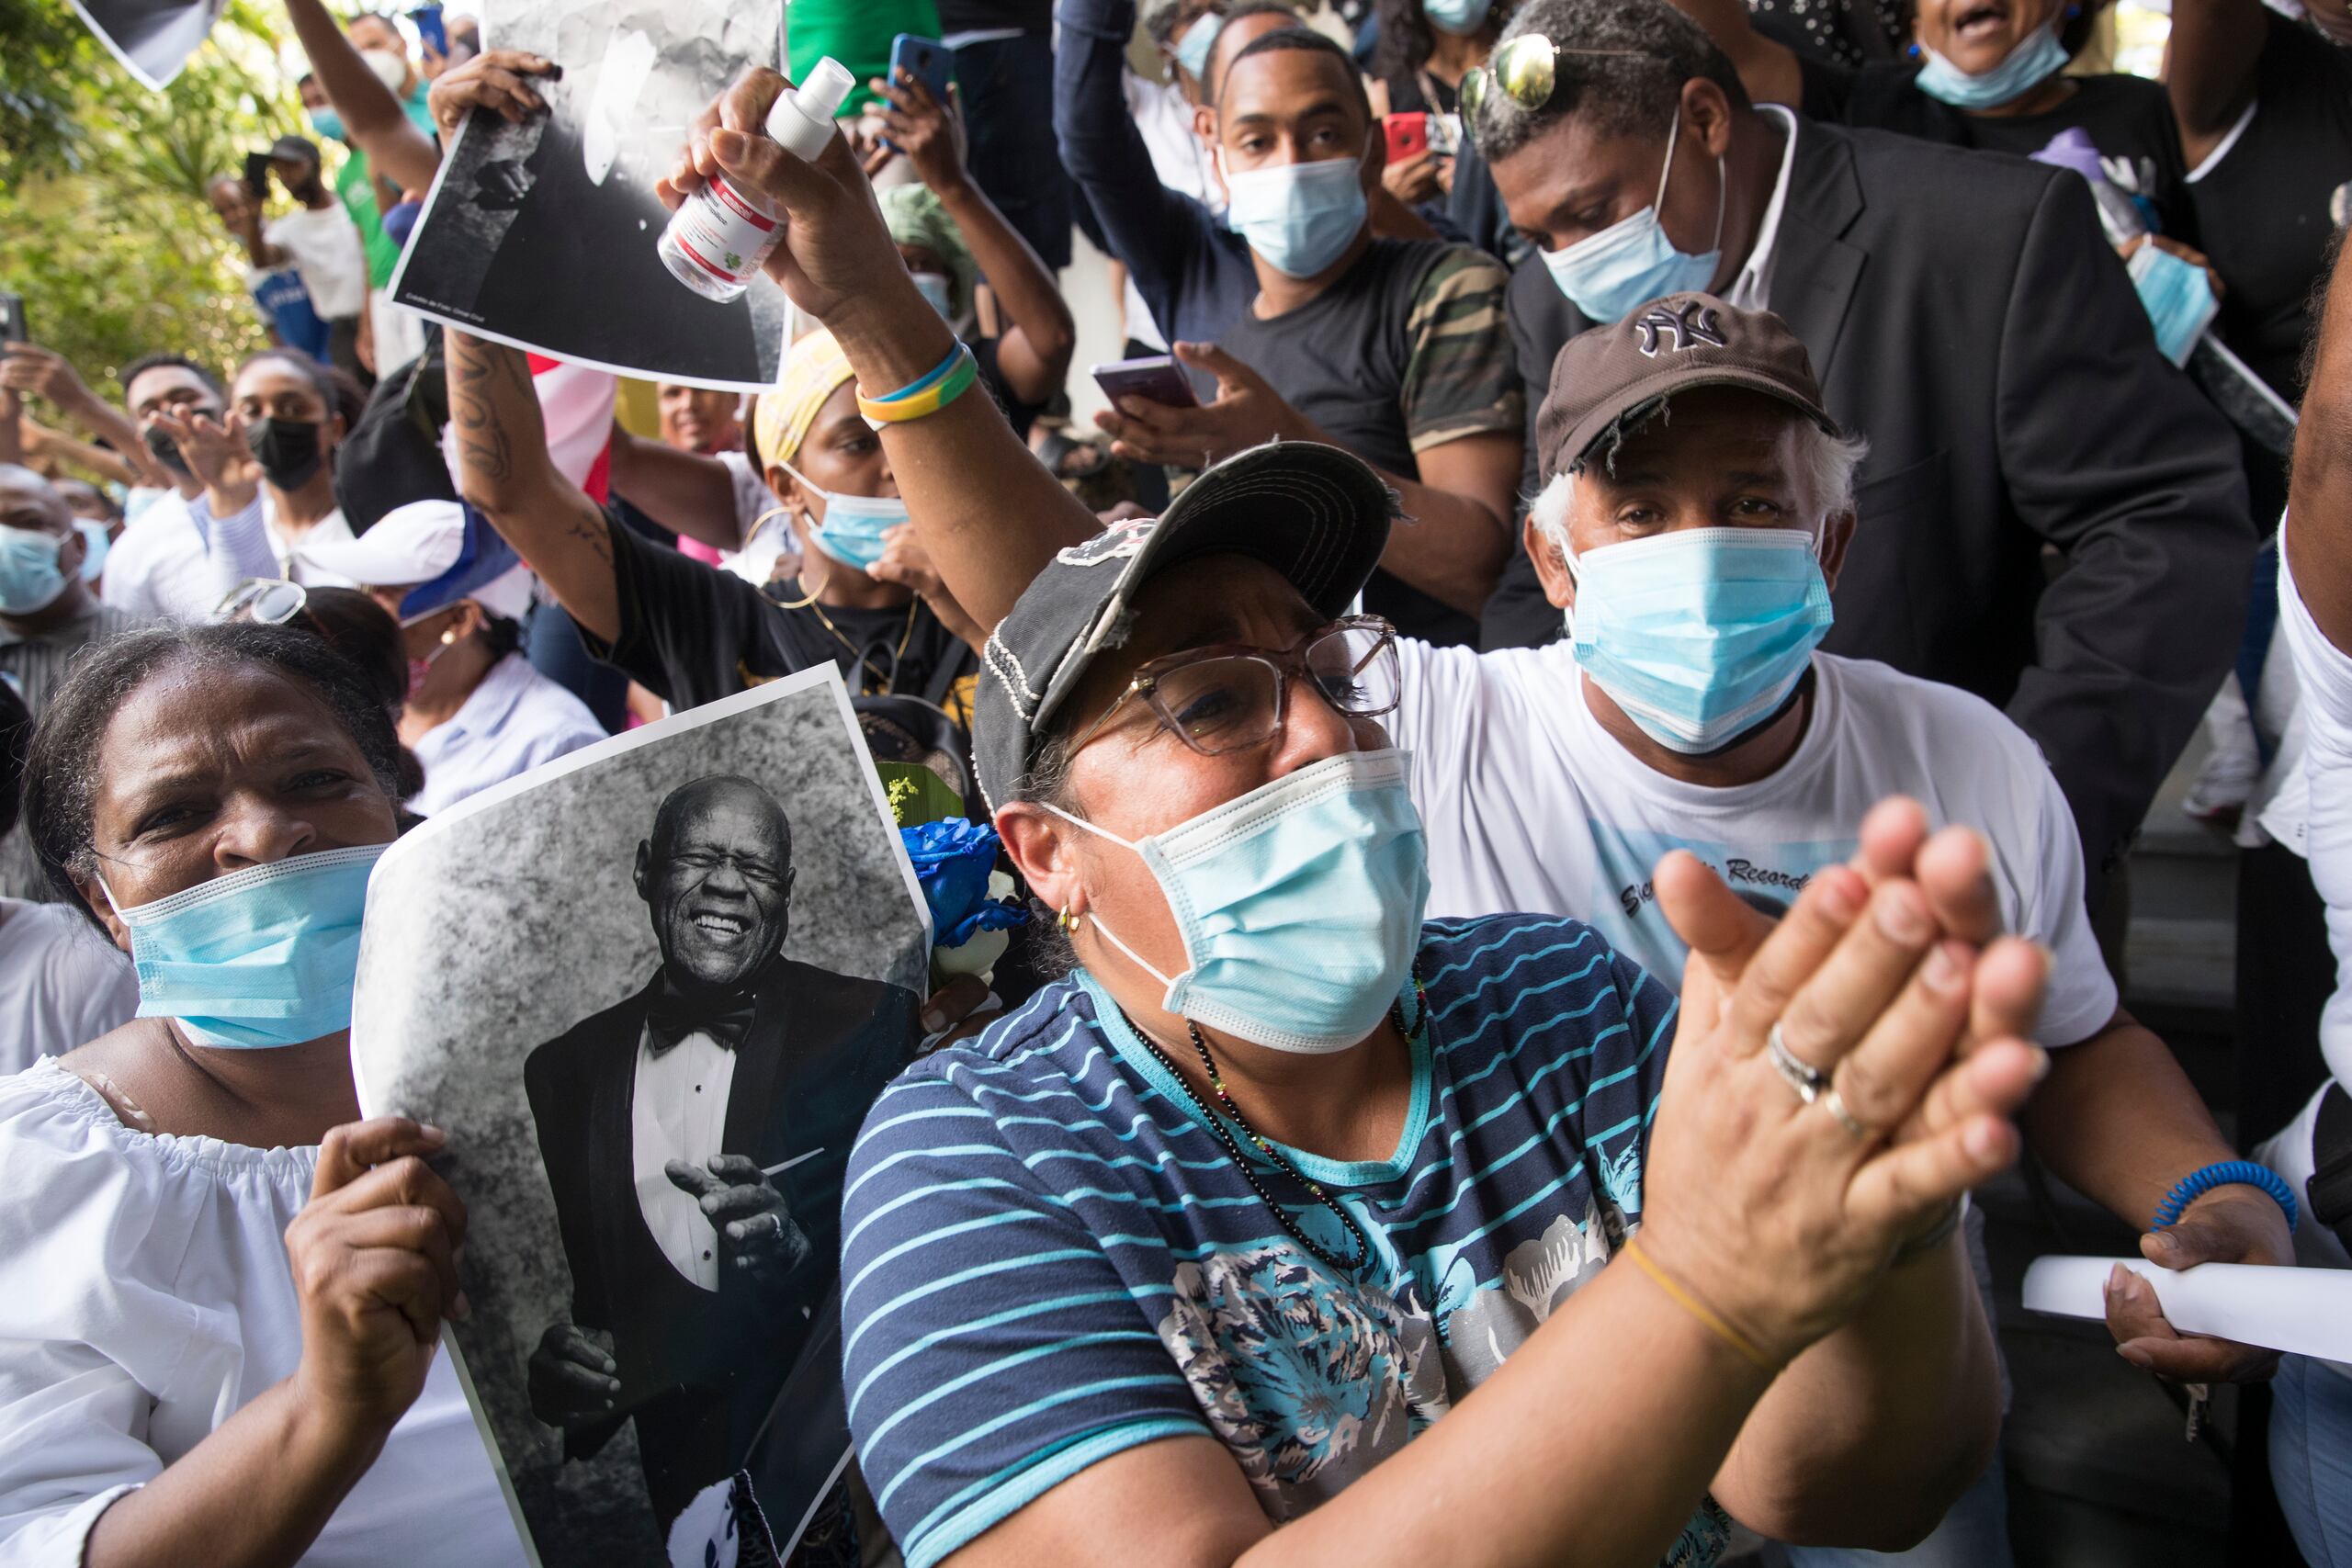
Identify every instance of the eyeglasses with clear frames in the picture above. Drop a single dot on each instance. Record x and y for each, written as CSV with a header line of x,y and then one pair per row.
x,y
1228,697
272,600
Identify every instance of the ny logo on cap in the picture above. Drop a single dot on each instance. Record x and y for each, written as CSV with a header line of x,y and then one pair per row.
x,y
1691,325
1119,540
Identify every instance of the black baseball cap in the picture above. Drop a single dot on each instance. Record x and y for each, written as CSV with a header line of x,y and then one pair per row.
x,y
1315,514
297,148
1611,379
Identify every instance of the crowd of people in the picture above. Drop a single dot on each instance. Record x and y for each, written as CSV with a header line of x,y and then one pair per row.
x,y
1578,749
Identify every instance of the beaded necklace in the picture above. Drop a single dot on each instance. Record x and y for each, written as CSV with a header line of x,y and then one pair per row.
x,y
1274,1156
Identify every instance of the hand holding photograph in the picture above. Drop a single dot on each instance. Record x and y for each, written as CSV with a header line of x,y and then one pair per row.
x,y
650,994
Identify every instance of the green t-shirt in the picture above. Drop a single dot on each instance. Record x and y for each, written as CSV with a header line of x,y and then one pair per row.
x,y
358,194
858,34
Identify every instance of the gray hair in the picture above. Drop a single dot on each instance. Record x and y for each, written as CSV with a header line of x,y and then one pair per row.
x,y
1633,91
1825,484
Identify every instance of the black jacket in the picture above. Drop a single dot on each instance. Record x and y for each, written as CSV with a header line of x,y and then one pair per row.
x,y
1964,311
699,1369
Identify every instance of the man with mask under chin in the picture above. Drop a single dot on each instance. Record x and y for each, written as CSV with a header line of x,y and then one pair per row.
x,y
1697,507
694,1135
48,615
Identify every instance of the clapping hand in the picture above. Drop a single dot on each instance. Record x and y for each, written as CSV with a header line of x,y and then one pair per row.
x,y
1780,1212
756,1231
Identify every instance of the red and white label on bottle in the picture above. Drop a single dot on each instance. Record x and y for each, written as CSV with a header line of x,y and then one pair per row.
x,y
724,232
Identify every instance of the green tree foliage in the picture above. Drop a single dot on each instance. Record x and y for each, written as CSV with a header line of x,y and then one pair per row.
x,y
104,228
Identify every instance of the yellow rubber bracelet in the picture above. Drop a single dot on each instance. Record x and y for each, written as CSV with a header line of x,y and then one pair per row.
x,y
930,401
1699,1309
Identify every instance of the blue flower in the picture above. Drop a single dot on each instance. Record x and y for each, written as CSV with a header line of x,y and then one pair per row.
x,y
951,859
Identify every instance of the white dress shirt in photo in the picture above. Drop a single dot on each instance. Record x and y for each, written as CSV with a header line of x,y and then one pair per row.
x,y
678,1110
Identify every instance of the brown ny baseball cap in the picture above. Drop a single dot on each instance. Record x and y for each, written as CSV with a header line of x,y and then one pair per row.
x,y
1611,379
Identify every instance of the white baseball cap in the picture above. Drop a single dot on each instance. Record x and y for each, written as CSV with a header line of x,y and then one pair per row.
x,y
443,552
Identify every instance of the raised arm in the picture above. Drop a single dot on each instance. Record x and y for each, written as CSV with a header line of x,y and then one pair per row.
x,y
1767,68
396,150
25,367
1040,334
2210,68
686,492
2319,503
990,514
504,471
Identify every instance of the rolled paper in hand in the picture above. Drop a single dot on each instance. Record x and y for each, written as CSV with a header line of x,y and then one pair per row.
x,y
2305,1311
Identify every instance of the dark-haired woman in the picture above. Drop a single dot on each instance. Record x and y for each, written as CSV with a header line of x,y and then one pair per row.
x,y
224,1292
476,712
268,471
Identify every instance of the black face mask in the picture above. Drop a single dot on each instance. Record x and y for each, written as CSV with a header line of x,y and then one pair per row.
x,y
166,450
287,450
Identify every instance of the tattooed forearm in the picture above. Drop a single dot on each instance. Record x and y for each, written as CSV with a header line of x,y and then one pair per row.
x,y
480,381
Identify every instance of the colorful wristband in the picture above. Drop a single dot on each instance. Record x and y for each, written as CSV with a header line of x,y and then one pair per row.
x,y
930,378
963,370
2224,1173
1699,1309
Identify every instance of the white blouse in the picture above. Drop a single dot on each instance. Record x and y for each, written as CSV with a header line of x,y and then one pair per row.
x,y
144,1297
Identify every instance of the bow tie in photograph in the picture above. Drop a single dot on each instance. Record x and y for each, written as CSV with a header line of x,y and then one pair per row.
x,y
673,1015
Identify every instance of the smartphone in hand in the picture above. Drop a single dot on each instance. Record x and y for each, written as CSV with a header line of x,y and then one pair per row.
x,y
431,31
12,319
1409,135
258,175
1155,379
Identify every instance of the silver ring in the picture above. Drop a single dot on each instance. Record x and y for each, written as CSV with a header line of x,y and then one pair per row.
x,y
1805,1080
1835,1103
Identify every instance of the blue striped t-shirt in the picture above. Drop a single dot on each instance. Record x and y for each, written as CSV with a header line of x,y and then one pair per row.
x,y
1047,1258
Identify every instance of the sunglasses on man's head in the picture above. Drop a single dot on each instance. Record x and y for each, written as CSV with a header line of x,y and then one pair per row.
x,y
1524,71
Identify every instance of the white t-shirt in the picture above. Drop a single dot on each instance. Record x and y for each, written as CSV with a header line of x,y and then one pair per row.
x,y
1530,805
157,569
325,246
144,1299
62,983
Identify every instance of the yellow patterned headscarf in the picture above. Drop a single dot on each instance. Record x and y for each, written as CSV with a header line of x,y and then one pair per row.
x,y
780,420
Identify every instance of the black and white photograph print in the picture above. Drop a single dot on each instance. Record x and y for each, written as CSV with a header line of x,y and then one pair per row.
x,y
152,37
650,993
544,234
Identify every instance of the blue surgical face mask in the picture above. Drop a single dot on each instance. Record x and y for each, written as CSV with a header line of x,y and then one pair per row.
x,y
1192,45
327,123
940,289
30,580
1299,904
95,546
853,526
262,957
1299,217
2041,56
2179,299
1460,17
1607,276
1700,634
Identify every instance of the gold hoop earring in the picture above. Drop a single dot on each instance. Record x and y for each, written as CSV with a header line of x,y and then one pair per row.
x,y
1072,923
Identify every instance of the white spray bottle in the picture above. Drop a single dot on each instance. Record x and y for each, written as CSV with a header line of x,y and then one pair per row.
x,y
721,234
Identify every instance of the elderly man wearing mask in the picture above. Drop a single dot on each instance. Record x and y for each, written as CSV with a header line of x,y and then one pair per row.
x,y
220,1326
1965,312
476,713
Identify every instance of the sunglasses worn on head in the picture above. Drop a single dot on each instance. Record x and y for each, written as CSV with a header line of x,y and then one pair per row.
x,y
272,600
1524,71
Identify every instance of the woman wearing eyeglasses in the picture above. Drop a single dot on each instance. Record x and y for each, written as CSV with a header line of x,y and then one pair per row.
x,y
1292,1229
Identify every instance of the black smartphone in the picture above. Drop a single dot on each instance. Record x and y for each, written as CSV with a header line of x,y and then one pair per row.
x,y
258,175
12,319
1155,379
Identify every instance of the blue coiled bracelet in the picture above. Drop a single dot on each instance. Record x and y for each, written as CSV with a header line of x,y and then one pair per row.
x,y
2225,1173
